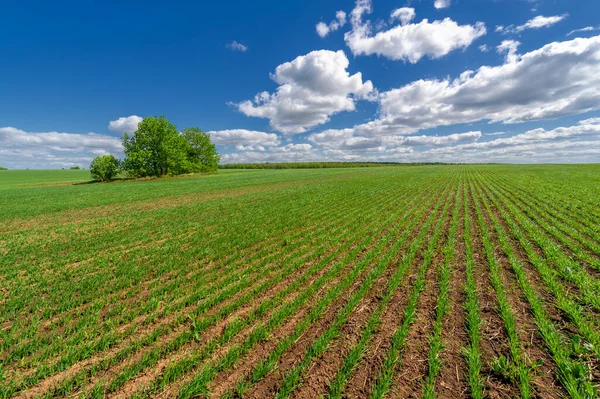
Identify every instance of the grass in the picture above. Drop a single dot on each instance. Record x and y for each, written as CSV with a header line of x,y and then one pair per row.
x,y
255,283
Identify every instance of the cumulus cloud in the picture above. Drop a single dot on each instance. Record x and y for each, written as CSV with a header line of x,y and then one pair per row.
x,y
244,137
537,145
535,23
556,80
590,121
408,42
324,29
311,89
21,149
441,4
346,140
289,153
484,48
578,143
404,15
237,46
509,49
127,124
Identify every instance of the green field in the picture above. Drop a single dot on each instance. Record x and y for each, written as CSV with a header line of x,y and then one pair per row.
x,y
397,281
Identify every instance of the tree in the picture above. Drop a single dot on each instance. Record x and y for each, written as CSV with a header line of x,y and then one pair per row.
x,y
158,149
202,152
75,168
2,168
155,149
104,167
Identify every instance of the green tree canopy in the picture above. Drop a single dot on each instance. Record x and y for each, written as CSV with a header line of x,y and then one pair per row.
x,y
104,167
202,153
158,149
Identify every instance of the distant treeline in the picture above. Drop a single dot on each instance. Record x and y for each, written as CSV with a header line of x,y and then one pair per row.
x,y
316,165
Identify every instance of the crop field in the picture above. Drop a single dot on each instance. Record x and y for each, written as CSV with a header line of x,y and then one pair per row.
x,y
386,282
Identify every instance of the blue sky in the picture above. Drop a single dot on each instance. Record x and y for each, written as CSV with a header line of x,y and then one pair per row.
x,y
374,81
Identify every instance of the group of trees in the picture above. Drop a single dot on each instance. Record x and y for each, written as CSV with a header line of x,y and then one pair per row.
x,y
319,165
306,165
157,148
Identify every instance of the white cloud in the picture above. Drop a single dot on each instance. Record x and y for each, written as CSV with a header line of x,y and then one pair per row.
x,y
535,23
345,140
294,148
324,29
509,48
404,15
241,147
586,29
540,22
128,124
237,46
540,136
311,89
288,153
21,149
590,121
441,4
341,17
484,48
556,80
244,137
578,143
581,143
440,140
409,42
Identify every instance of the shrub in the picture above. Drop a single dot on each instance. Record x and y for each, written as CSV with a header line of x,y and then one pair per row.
x,y
104,167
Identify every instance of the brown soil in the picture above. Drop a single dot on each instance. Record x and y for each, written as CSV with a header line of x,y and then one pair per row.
x,y
173,388
532,343
140,332
452,379
318,371
139,325
360,382
216,330
270,384
408,383
493,335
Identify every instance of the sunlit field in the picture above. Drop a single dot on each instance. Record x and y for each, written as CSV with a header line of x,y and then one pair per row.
x,y
388,282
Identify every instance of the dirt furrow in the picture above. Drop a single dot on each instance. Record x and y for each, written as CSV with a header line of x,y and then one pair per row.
x,y
543,380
